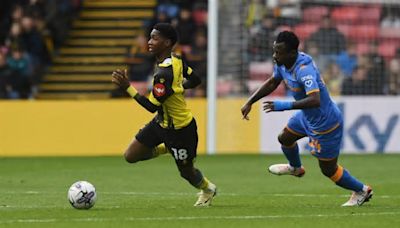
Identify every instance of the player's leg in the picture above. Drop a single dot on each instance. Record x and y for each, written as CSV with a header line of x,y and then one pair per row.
x,y
194,176
288,140
361,192
326,148
183,146
146,145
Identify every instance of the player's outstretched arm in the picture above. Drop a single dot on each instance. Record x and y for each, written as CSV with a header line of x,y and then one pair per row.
x,y
191,81
311,101
120,78
266,88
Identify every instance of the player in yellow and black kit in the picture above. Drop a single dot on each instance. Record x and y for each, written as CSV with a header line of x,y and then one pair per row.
x,y
173,129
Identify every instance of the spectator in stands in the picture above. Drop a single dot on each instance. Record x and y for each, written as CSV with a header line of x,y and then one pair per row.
x,y
262,40
377,73
140,60
14,38
392,18
5,73
394,75
170,8
5,9
312,49
329,39
347,59
288,12
9,18
197,59
17,13
36,8
36,49
358,83
333,78
160,17
20,78
255,13
59,16
185,27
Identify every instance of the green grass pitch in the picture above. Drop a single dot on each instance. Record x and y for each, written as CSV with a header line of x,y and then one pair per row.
x,y
33,193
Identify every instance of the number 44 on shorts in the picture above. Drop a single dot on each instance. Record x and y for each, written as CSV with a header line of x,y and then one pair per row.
x,y
179,154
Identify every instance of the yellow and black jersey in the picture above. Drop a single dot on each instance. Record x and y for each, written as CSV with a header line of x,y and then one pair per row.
x,y
168,93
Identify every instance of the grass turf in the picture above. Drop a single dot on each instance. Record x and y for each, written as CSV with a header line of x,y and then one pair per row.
x,y
151,194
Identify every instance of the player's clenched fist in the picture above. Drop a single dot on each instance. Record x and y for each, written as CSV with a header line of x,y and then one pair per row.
x,y
120,78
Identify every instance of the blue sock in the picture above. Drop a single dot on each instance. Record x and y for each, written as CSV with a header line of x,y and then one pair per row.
x,y
343,178
292,155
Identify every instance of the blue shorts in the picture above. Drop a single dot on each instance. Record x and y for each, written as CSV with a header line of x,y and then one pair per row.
x,y
324,144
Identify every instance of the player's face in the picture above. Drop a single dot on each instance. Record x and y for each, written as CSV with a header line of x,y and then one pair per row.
x,y
156,43
280,54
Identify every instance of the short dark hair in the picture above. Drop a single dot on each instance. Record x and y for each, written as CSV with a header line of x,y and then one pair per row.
x,y
290,39
167,31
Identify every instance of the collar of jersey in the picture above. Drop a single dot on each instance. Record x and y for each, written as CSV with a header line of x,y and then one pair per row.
x,y
167,62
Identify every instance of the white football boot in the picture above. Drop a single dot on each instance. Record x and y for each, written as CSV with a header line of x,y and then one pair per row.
x,y
286,169
206,196
358,198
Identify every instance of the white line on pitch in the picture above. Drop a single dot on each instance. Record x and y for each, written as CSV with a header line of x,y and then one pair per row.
x,y
244,217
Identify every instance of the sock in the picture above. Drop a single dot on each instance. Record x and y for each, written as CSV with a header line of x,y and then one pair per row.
x,y
343,178
292,155
159,150
197,180
204,184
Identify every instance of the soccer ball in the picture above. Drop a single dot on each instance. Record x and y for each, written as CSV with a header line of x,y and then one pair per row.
x,y
82,195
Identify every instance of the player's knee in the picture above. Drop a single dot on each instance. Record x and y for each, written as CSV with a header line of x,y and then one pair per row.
x,y
328,171
129,158
283,141
280,139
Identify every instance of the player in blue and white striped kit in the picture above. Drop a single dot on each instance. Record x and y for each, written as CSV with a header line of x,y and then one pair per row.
x,y
319,118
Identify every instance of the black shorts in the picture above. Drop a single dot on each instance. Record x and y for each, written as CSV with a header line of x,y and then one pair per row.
x,y
182,143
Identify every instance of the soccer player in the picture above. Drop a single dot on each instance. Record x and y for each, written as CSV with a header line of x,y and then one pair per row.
x,y
319,117
173,130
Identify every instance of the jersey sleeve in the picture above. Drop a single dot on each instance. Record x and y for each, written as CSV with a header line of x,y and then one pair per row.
x,y
307,77
276,74
162,88
187,71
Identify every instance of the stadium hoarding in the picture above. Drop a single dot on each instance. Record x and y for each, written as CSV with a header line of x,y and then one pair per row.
x,y
371,125
93,128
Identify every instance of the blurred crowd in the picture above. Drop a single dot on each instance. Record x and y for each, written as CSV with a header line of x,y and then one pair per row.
x,y
351,63
190,20
30,31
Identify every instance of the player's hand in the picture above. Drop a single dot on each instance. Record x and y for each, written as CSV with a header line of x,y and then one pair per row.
x,y
246,108
120,78
268,106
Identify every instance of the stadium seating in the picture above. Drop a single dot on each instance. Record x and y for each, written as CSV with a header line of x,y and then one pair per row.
x,y
303,31
346,14
260,70
370,15
389,34
364,32
363,48
314,14
359,33
388,49
97,44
